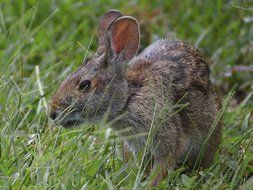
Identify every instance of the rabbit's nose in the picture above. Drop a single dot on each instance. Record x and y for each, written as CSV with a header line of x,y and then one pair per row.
x,y
53,115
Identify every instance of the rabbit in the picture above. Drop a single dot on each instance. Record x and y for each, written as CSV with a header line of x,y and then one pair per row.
x,y
162,97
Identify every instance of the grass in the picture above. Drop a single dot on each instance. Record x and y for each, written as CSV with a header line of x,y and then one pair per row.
x,y
42,41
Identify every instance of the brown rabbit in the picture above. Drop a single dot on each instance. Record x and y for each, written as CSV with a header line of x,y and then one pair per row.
x,y
164,94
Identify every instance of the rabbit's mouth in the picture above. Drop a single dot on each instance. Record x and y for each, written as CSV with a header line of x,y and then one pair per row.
x,y
71,120
74,119
71,123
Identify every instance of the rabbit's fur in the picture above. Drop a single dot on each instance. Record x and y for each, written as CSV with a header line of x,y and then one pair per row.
x,y
165,92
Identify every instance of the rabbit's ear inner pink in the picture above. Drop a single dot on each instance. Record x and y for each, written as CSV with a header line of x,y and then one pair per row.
x,y
105,21
125,38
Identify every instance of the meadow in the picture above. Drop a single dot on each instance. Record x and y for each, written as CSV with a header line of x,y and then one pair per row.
x,y
42,41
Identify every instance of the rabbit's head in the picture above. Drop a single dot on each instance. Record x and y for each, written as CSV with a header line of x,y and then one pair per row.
x,y
98,87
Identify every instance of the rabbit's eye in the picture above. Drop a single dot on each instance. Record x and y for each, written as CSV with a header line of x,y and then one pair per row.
x,y
84,85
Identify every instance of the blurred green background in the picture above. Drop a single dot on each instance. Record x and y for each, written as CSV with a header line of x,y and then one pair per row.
x,y
56,35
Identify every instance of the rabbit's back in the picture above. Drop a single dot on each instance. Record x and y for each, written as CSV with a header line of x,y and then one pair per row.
x,y
181,67
187,64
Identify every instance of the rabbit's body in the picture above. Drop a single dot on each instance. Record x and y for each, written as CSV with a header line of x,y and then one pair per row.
x,y
157,80
163,94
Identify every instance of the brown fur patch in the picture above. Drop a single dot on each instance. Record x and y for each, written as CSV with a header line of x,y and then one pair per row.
x,y
94,82
136,73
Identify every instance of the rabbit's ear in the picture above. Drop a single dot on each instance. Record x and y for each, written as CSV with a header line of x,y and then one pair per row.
x,y
124,36
105,21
